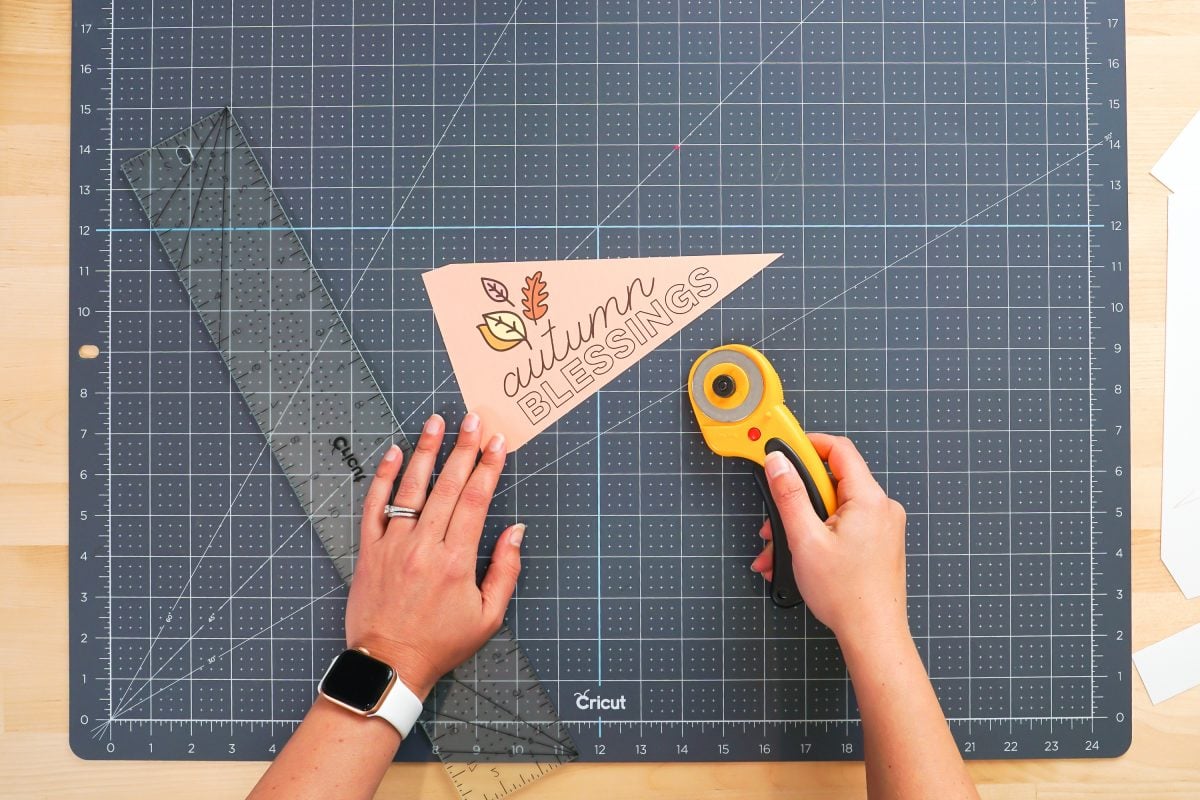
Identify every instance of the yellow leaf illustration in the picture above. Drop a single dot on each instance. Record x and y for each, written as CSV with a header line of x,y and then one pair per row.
x,y
505,327
496,344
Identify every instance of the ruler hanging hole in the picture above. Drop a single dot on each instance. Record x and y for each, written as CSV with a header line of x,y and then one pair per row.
x,y
89,351
184,154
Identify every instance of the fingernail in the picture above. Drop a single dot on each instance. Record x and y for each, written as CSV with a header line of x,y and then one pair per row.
x,y
496,443
433,425
516,534
754,567
470,423
391,454
777,464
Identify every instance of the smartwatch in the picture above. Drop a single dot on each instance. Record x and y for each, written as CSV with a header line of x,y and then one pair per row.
x,y
361,683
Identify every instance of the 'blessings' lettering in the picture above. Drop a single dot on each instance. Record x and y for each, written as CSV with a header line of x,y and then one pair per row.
x,y
568,359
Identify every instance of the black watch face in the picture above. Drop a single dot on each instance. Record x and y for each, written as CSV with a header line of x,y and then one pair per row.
x,y
357,680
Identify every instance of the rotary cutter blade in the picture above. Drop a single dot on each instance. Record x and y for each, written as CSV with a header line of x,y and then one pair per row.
x,y
738,400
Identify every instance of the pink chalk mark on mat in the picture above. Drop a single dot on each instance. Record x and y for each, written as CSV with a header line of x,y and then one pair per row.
x,y
575,325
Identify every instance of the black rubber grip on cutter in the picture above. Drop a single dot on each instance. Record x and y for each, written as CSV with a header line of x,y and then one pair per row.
x,y
783,580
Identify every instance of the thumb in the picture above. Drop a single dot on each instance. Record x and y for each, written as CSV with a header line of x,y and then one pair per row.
x,y
791,496
501,578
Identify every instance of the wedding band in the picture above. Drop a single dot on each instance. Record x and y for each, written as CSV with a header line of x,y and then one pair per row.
x,y
391,512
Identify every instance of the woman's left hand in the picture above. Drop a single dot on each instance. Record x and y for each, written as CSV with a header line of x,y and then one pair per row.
x,y
414,602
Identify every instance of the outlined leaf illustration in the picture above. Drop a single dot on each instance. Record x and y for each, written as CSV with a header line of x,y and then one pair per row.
x,y
503,330
534,296
496,290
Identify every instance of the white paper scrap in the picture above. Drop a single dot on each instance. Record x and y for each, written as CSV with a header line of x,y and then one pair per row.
x,y
1179,167
1170,666
1181,433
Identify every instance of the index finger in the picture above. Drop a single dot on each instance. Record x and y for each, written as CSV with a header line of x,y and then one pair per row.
x,y
850,470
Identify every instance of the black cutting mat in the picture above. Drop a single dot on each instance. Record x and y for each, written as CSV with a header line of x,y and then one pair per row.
x,y
946,181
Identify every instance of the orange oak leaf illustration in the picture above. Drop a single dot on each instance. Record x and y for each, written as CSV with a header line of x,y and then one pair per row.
x,y
534,297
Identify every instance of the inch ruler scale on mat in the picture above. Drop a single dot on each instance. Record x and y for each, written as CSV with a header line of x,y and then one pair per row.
x,y
324,416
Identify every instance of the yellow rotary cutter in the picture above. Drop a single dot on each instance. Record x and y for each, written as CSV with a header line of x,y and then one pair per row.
x,y
738,400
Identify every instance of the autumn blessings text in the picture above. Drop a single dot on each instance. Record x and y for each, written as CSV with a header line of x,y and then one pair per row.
x,y
571,357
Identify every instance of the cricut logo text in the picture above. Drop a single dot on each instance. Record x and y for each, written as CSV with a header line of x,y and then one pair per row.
x,y
341,446
585,703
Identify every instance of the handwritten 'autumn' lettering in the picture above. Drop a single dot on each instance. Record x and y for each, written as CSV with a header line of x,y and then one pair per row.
x,y
570,358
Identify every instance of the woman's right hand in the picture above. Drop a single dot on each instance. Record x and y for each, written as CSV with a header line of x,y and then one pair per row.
x,y
849,568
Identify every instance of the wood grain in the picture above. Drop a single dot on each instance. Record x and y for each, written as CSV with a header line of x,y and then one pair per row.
x,y
1163,60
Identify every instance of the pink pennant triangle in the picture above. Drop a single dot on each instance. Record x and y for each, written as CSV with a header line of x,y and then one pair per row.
x,y
531,340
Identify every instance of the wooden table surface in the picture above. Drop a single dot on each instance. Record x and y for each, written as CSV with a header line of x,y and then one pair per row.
x,y
35,761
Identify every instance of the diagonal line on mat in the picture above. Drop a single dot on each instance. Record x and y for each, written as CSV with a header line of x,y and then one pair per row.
x,y
676,148
135,703
782,328
312,360
817,307
120,707
788,325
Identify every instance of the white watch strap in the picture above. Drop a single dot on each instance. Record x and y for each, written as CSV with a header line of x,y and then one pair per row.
x,y
400,707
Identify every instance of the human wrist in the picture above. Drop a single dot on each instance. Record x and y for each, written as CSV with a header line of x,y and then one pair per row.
x,y
875,632
412,669
335,720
